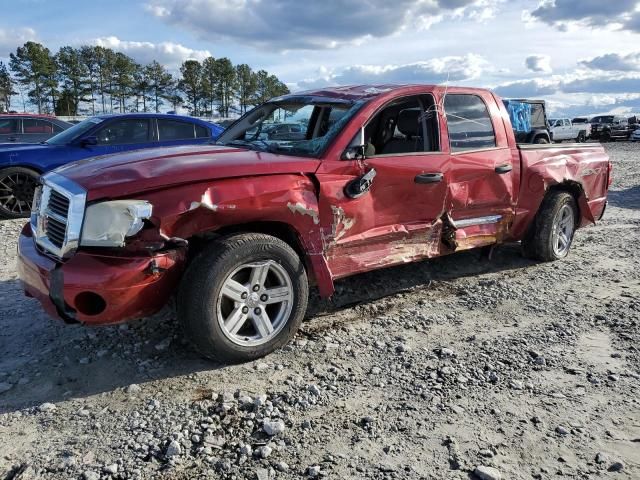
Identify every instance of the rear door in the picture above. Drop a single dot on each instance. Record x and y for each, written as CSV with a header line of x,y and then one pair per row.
x,y
36,130
567,130
179,132
482,169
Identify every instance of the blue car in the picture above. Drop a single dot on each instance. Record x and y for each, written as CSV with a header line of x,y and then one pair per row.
x,y
22,164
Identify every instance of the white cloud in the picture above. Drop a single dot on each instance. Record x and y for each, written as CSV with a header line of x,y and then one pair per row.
x,y
539,63
167,53
614,62
12,38
567,14
437,70
293,25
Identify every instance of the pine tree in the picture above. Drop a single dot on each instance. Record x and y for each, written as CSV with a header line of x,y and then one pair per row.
x,y
6,88
73,75
226,87
210,82
35,69
246,86
159,82
191,84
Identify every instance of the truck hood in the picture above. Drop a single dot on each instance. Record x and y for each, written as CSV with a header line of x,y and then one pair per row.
x,y
139,171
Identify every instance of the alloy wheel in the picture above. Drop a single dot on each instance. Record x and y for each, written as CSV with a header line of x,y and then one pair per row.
x,y
563,228
255,302
16,192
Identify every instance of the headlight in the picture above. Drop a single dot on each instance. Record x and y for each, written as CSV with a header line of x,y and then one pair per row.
x,y
108,224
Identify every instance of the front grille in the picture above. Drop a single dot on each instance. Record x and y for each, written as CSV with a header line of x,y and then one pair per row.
x,y
57,215
56,231
58,204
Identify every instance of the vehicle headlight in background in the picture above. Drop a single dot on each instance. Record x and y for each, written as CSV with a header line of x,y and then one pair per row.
x,y
108,224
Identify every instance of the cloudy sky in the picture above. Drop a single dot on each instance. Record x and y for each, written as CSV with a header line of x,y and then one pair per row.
x,y
583,56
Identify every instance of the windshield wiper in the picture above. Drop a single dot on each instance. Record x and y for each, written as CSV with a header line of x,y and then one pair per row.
x,y
252,144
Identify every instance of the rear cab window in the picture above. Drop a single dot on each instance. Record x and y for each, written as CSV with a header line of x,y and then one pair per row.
x,y
469,123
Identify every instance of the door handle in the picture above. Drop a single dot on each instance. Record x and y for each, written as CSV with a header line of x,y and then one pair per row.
x,y
429,178
12,139
502,169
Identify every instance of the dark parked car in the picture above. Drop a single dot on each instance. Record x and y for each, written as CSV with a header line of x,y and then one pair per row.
x,y
16,127
22,164
610,127
284,131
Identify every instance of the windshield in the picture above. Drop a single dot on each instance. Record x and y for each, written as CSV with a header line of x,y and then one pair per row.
x,y
294,125
605,119
72,133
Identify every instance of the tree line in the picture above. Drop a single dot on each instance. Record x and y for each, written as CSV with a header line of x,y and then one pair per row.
x,y
97,80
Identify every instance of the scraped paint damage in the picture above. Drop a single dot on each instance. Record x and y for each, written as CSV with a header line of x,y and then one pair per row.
x,y
304,210
341,223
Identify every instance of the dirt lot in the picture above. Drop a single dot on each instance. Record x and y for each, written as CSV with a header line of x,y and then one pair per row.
x,y
530,371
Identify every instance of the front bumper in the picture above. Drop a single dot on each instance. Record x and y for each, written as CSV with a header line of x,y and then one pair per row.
x,y
98,289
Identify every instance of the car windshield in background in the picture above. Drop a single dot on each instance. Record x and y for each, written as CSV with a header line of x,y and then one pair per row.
x,y
72,133
604,119
297,126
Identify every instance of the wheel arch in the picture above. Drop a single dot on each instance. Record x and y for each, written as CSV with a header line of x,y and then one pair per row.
x,y
314,267
34,168
576,189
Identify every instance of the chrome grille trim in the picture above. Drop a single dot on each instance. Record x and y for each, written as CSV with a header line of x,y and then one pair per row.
x,y
57,215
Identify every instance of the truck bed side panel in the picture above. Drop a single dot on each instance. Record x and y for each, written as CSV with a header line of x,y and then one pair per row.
x,y
576,166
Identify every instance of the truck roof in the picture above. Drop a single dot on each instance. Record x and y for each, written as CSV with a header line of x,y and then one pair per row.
x,y
361,92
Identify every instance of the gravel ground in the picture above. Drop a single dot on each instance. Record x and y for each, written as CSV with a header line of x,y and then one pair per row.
x,y
459,368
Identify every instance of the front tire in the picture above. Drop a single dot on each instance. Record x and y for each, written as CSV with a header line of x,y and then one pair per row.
x,y
17,186
243,297
541,141
551,234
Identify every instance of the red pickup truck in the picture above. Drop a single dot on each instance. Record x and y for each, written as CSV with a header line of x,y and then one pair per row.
x,y
375,176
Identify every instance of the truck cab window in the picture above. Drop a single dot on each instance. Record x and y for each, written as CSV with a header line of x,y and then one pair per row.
x,y
470,126
407,125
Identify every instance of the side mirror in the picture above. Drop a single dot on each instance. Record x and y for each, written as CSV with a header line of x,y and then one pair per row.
x,y
89,141
361,185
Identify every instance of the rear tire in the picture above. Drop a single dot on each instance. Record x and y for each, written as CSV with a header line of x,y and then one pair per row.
x,y
582,137
551,234
243,297
17,186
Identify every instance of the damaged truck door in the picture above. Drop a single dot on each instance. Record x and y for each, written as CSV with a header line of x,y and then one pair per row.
x,y
482,177
400,218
